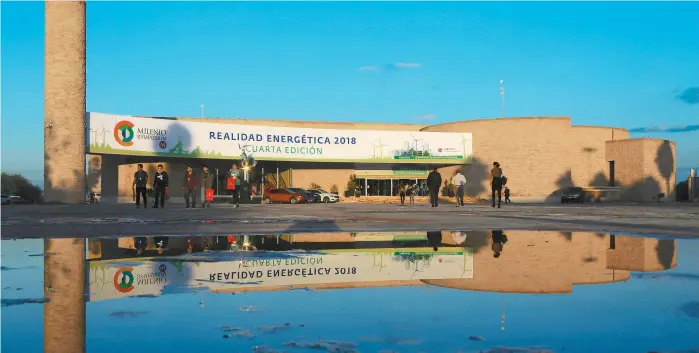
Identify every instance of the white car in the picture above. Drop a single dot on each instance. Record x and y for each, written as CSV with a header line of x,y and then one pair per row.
x,y
325,196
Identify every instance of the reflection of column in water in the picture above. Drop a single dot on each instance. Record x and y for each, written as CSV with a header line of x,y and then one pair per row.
x,y
64,287
503,315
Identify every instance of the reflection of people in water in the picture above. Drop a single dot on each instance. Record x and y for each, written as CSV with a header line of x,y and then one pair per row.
x,y
498,239
161,243
140,244
434,239
459,237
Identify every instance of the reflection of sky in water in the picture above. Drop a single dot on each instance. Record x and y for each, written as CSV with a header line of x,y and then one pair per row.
x,y
640,315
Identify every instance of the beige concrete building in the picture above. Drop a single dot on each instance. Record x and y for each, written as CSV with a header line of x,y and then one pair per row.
x,y
541,156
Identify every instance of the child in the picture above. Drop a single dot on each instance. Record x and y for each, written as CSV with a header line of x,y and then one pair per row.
x,y
507,195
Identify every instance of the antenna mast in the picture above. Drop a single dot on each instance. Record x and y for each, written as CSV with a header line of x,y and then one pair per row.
x,y
502,98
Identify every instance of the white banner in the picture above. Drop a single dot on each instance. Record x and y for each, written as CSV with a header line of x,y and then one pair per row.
x,y
240,270
127,135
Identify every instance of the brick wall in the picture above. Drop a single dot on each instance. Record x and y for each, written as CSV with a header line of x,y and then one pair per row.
x,y
533,152
643,167
587,144
64,102
305,174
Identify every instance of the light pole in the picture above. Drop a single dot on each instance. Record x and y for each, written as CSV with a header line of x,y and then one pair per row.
x,y
202,110
502,98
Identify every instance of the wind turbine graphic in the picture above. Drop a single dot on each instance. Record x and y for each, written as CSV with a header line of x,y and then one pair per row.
x,y
380,146
93,135
414,142
373,150
101,132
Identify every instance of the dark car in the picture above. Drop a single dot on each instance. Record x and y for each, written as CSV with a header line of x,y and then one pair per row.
x,y
283,196
574,194
311,197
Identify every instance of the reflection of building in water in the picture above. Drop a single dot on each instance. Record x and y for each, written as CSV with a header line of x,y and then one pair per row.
x,y
641,254
531,262
64,287
373,261
552,262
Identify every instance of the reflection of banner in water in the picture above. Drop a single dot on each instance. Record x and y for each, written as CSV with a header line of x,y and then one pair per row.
x,y
294,268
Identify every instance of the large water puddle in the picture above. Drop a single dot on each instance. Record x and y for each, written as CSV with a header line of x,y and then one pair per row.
x,y
497,291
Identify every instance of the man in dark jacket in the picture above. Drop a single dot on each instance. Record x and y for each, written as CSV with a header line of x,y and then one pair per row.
x,y
189,187
140,180
207,182
434,182
434,239
160,184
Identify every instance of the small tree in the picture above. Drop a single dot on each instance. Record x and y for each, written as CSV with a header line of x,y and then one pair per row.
x,y
315,186
18,185
352,187
334,189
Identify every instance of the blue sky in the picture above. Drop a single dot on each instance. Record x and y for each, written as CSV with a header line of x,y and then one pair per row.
x,y
626,64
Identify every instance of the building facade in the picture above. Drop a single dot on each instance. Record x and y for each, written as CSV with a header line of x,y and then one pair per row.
x,y
541,156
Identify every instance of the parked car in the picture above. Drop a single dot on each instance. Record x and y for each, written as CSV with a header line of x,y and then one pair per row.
x,y
574,194
18,200
283,196
5,200
324,196
310,197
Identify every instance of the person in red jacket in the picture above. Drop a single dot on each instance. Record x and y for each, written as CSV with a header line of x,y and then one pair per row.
x,y
189,187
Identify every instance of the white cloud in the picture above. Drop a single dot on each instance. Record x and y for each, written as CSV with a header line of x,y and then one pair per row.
x,y
402,65
389,67
369,68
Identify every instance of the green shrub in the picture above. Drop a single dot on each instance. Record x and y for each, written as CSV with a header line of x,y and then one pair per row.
x,y
18,185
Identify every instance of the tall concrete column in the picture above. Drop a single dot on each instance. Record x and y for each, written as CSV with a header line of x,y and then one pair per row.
x,y
64,102
64,287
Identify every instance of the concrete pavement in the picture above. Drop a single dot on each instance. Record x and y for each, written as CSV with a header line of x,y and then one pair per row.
x,y
101,220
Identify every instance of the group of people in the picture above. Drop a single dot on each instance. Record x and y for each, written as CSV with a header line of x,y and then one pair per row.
x,y
434,183
190,185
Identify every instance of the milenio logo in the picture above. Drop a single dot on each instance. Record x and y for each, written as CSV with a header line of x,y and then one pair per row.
x,y
124,134
123,280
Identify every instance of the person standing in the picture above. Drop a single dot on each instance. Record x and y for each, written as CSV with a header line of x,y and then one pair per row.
x,y
190,187
434,182
498,240
401,192
140,244
207,182
140,180
460,181
161,244
496,182
412,190
160,184
233,185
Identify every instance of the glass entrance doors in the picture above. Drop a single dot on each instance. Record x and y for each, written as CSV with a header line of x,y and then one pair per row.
x,y
389,187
